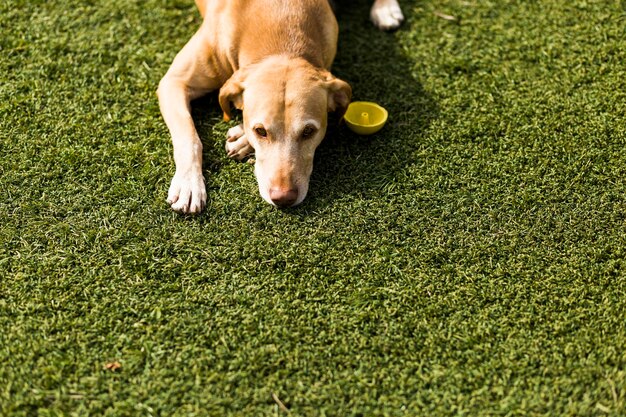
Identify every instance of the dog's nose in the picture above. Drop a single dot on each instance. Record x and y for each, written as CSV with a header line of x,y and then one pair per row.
x,y
284,197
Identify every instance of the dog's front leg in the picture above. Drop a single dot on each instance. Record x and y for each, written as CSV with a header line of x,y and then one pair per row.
x,y
187,193
188,78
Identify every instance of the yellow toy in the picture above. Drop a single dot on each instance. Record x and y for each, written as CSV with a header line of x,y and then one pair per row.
x,y
365,118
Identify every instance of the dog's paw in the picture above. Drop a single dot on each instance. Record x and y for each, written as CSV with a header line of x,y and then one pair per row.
x,y
187,193
386,15
237,145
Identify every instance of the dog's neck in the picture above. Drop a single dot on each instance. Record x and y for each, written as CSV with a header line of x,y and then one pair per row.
x,y
296,32
292,50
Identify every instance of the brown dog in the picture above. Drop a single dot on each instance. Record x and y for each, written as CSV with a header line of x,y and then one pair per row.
x,y
271,59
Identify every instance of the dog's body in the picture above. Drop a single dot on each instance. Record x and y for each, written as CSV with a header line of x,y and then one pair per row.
x,y
274,56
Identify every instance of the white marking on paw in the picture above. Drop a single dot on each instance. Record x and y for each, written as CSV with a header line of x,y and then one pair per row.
x,y
237,145
386,15
187,193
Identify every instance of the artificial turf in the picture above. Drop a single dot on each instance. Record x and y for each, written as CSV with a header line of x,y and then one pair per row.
x,y
467,260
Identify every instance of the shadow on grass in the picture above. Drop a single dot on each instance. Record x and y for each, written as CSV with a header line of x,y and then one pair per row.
x,y
378,70
373,63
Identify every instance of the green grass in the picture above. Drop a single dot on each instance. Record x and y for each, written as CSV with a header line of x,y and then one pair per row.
x,y
467,260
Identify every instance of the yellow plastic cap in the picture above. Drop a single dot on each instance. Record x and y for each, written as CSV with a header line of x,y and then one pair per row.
x,y
365,118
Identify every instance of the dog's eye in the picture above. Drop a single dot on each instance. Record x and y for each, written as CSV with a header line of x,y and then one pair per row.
x,y
260,131
308,132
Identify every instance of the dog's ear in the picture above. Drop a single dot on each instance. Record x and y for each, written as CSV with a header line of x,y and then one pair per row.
x,y
232,92
339,95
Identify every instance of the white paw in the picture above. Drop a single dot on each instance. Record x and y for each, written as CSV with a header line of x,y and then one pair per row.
x,y
237,146
187,193
386,15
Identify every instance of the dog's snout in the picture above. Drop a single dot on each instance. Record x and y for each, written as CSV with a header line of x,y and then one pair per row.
x,y
284,197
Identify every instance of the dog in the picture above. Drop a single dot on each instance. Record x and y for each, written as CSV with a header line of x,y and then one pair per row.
x,y
271,59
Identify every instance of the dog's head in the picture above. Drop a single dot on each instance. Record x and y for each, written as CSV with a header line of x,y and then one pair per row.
x,y
285,105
